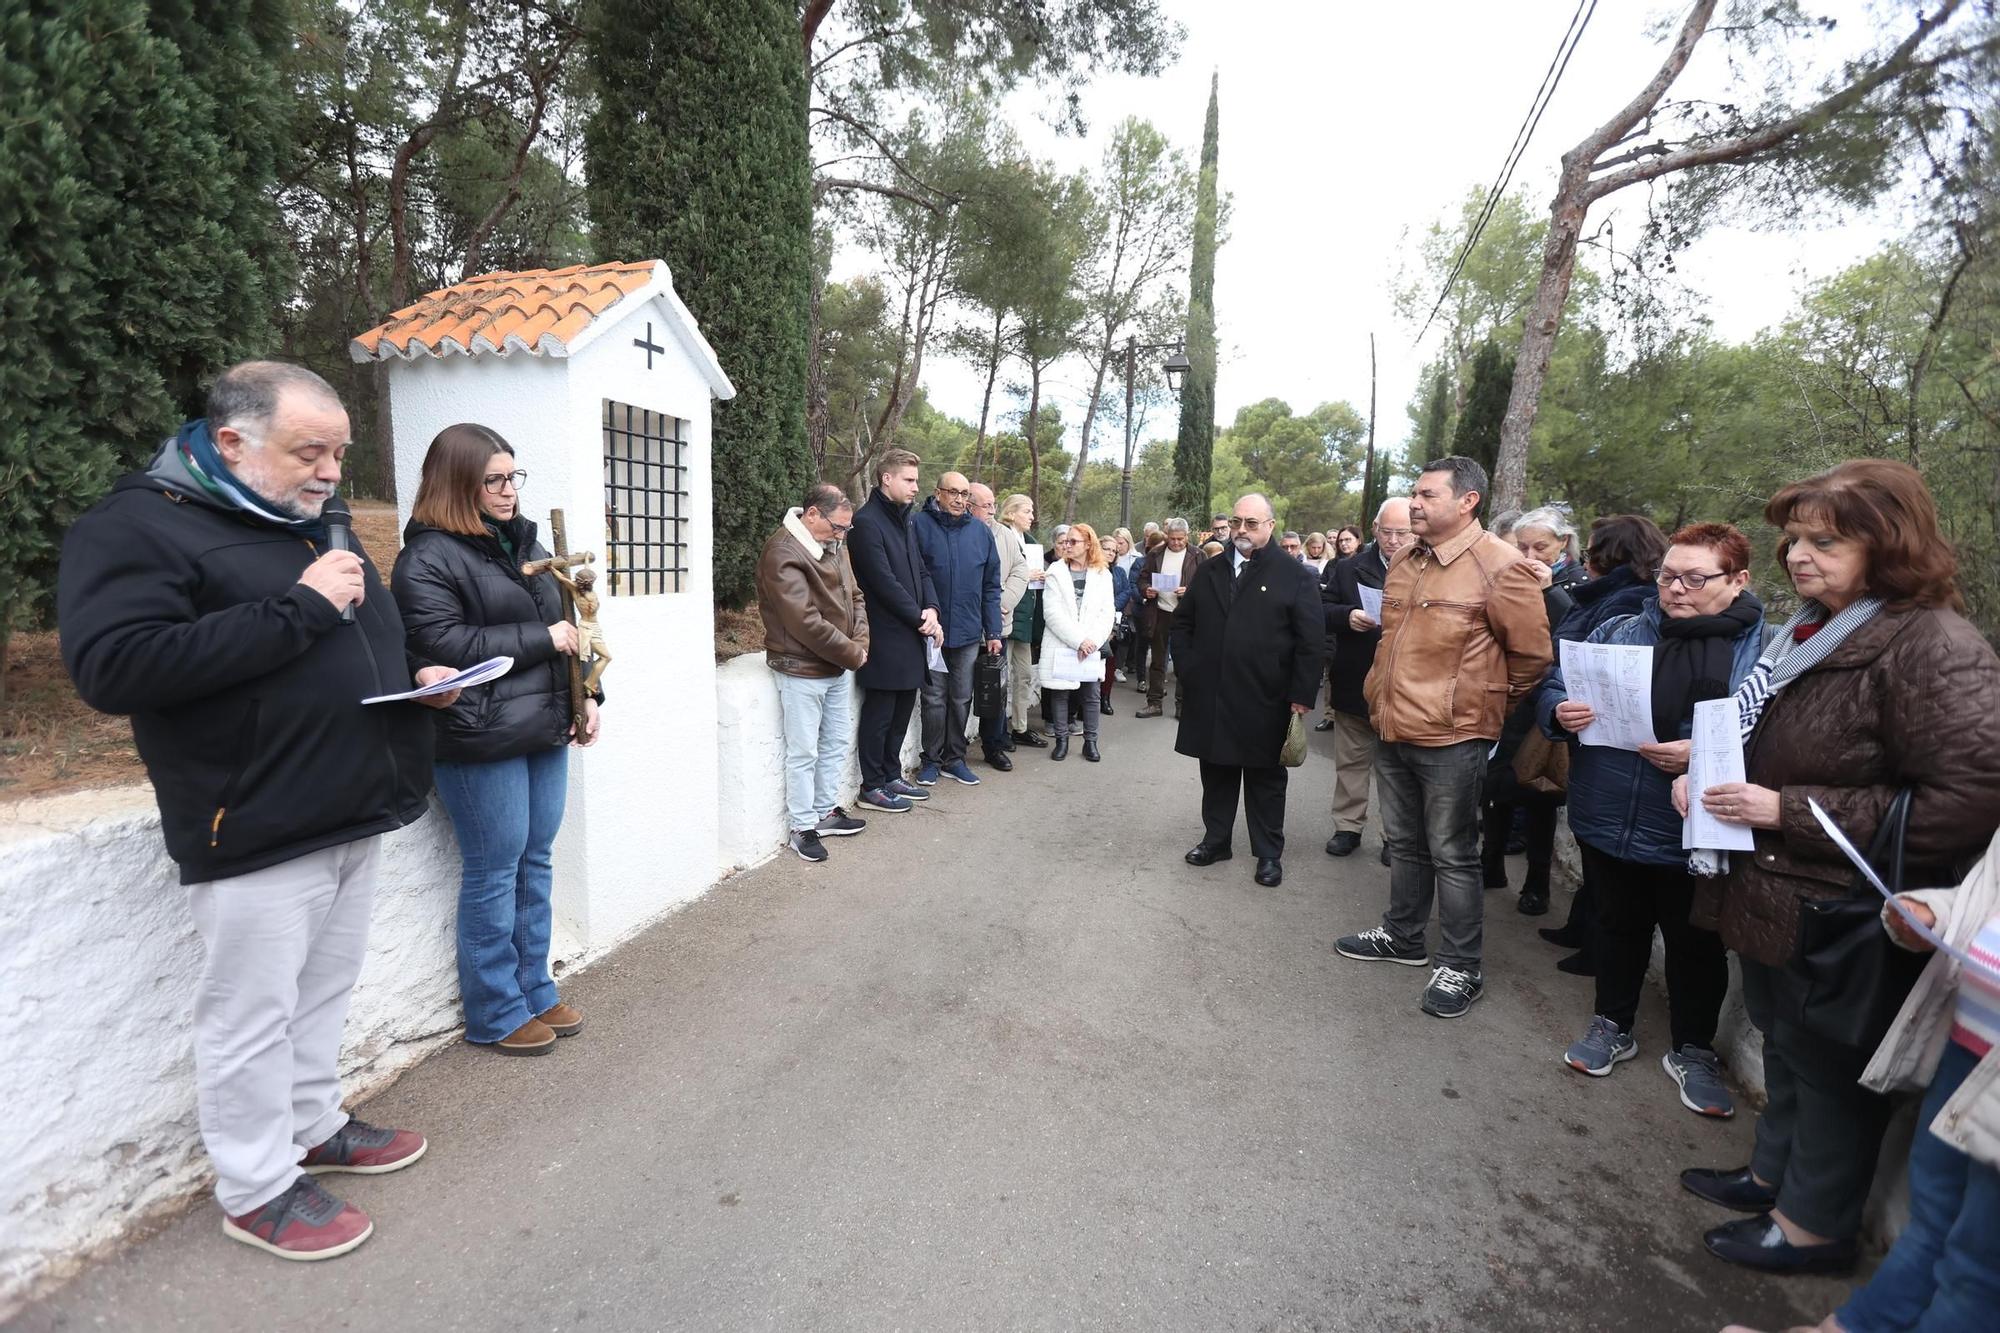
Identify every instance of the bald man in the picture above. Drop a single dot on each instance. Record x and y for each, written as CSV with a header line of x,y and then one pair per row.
x,y
1247,641
964,565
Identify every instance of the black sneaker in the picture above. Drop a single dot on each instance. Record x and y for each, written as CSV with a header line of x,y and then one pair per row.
x,y
839,824
1376,945
806,843
1452,991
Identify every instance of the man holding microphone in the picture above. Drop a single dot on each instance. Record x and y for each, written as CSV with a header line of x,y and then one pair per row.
x,y
202,598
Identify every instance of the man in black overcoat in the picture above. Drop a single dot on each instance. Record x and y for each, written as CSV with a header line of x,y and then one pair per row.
x,y
902,614
1247,642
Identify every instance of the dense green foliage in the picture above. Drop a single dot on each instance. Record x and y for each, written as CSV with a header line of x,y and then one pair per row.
x,y
1308,466
138,147
1195,449
1477,434
725,200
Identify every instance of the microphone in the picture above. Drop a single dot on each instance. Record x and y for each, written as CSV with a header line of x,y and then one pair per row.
x,y
339,523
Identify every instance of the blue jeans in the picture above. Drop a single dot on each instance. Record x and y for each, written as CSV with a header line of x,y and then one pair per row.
x,y
818,717
1430,821
506,814
1943,1274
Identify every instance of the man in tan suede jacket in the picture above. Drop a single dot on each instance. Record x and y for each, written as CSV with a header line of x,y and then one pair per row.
x,y
815,638
1464,637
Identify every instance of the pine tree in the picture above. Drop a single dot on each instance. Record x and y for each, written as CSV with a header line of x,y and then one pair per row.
x,y
698,156
1478,433
1196,446
142,254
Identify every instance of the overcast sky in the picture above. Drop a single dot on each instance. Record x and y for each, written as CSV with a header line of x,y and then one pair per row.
x,y
1346,129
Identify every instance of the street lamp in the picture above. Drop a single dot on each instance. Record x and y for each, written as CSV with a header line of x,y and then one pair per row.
x,y
1176,367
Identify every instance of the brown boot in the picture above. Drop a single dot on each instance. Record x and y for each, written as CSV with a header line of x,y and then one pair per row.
x,y
531,1038
1150,710
561,1019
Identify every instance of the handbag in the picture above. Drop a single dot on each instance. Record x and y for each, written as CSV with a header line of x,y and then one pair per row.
x,y
1294,752
1855,977
1542,765
989,692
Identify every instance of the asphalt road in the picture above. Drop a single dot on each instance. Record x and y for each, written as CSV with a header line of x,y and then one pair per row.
x,y
1005,1062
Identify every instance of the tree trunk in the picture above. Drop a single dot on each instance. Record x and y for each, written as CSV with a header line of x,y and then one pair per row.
x,y
986,403
1089,422
1933,336
1125,477
1034,447
1538,336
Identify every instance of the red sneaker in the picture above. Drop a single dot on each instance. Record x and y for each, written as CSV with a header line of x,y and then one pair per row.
x,y
304,1223
358,1148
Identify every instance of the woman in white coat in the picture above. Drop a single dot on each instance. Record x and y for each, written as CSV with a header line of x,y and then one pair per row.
x,y
1078,614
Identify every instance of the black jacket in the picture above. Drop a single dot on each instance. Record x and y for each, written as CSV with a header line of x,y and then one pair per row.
x,y
244,689
464,601
1247,647
1501,784
1354,650
889,565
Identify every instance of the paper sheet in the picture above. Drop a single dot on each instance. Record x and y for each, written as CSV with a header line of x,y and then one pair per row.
x,y
1065,666
1616,681
933,655
1166,582
1715,758
1371,601
1860,862
491,669
1032,554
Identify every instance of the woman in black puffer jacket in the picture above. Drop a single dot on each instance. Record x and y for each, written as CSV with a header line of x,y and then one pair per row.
x,y
502,769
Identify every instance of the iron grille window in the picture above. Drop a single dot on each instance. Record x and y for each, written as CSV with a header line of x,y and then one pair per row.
x,y
645,501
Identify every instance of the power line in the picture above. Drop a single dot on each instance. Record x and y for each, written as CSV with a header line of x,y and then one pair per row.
x,y
1543,95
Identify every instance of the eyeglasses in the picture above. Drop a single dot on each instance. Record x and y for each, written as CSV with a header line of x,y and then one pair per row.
x,y
840,529
1394,532
1692,582
1069,541
953,492
1250,524
496,482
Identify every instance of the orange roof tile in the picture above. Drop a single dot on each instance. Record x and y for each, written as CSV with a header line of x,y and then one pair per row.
x,y
539,311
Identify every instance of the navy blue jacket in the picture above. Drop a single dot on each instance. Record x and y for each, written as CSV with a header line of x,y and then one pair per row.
x,y
964,565
1124,593
889,566
1619,593
1620,803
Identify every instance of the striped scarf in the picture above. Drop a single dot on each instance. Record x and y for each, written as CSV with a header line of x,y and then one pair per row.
x,y
1782,663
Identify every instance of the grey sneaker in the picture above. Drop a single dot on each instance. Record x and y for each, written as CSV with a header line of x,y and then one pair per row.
x,y
1377,945
839,824
1602,1045
1699,1073
807,844
1452,991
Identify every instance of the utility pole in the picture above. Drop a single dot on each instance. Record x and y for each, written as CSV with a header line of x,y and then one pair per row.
x,y
1368,471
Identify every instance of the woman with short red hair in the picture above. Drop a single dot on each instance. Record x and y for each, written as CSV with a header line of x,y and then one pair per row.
x,y
1876,686
1704,627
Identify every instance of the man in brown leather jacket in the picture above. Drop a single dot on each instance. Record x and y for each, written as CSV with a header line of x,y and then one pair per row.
x,y
1464,637
815,637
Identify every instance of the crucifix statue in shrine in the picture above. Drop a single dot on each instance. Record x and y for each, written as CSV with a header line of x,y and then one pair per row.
x,y
579,580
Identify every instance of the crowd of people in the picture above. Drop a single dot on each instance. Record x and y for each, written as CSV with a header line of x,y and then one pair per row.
x,y
225,621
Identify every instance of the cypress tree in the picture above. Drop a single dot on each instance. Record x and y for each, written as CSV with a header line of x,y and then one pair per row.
x,y
1437,417
1195,448
138,146
698,156
1478,433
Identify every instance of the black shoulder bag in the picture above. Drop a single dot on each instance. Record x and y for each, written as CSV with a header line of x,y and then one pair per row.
x,y
1856,978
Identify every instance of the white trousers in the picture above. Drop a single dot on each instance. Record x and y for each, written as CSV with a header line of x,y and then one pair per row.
x,y
284,946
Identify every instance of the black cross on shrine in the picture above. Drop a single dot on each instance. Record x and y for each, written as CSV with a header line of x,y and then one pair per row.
x,y
650,346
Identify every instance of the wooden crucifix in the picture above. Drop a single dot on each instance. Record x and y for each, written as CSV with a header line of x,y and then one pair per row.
x,y
559,539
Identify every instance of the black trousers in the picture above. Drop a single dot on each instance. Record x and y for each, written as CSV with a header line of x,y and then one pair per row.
x,y
1496,822
1633,898
1263,806
885,721
1821,1132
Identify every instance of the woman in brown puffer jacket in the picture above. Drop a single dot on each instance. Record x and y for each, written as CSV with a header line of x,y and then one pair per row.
x,y
1877,684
